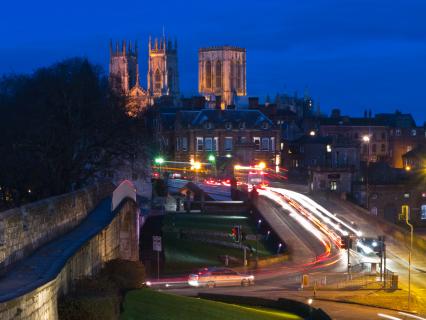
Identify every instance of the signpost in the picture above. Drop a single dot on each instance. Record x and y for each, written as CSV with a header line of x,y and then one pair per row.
x,y
156,246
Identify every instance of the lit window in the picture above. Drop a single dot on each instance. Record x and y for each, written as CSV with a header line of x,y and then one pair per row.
x,y
282,146
200,144
184,144
272,144
228,143
215,143
406,195
333,185
373,211
398,132
265,144
256,141
208,144
423,212
413,132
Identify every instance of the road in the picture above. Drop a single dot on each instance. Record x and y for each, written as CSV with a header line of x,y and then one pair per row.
x,y
313,234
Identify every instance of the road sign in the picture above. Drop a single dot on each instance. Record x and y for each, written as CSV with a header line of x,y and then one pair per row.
x,y
156,243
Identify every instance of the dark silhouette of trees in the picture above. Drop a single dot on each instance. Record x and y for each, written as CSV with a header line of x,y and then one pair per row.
x,y
60,129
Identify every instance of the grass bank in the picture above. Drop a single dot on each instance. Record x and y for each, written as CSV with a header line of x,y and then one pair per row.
x,y
150,304
183,255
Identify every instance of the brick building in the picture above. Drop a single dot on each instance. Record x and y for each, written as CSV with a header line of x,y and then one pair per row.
x,y
246,136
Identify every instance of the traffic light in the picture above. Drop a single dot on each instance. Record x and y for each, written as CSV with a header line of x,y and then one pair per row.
x,y
346,242
236,233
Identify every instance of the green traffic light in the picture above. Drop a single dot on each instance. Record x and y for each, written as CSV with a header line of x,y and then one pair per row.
x,y
212,158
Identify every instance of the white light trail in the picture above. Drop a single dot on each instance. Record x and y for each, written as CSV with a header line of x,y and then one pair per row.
x,y
386,316
318,210
411,315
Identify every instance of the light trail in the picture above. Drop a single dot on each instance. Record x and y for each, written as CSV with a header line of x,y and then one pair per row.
x,y
319,211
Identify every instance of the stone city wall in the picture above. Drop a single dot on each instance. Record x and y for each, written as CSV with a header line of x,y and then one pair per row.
x,y
24,229
117,240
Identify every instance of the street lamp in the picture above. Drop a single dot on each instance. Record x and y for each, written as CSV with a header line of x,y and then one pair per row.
x,y
159,161
212,159
409,258
366,139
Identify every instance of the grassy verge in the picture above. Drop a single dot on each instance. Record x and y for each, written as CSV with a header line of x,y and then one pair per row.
x,y
149,304
184,255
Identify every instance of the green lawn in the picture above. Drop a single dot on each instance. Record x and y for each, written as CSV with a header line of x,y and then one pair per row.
x,y
209,222
150,304
184,255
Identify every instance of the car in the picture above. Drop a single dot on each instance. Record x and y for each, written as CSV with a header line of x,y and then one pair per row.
x,y
215,276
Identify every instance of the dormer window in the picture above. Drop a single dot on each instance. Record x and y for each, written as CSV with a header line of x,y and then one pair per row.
x,y
208,125
228,126
242,125
265,125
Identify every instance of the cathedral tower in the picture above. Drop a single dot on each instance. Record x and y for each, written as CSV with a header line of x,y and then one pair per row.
x,y
163,76
123,67
222,72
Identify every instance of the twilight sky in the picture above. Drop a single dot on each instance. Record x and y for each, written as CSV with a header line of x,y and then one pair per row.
x,y
351,54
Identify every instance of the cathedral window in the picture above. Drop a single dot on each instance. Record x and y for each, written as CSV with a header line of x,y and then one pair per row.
x,y
239,71
218,75
208,74
157,80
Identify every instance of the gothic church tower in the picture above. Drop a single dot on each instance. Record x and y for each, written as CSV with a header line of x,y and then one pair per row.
x,y
163,76
123,67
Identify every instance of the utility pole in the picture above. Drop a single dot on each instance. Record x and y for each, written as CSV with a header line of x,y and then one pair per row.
x,y
409,257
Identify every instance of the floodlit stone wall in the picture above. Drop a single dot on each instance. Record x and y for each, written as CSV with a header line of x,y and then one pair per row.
x,y
117,240
24,229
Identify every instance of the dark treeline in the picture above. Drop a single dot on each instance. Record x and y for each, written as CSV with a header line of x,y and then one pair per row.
x,y
61,128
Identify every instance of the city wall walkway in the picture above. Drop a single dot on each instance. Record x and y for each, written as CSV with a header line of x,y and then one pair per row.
x,y
31,287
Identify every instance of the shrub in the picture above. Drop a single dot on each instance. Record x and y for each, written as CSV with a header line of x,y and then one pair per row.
x,y
126,275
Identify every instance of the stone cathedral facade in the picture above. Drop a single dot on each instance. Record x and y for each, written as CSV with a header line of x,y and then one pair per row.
x,y
163,76
222,72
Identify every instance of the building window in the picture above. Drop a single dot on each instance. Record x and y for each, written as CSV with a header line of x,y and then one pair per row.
x,y
239,76
413,132
200,144
208,125
398,132
265,125
218,75
177,144
208,143
364,149
373,148
242,139
242,125
383,147
228,143
406,195
272,144
157,80
383,135
256,141
265,144
228,126
373,211
184,144
333,185
208,75
409,148
215,143
423,212
282,145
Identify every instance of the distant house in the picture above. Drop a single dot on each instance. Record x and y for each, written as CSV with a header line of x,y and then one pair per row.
x,y
415,159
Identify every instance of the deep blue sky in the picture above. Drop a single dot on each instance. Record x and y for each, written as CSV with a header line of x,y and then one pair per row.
x,y
352,54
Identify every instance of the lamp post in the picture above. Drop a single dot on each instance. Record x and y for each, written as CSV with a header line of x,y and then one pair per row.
x,y
212,160
366,140
409,258
159,161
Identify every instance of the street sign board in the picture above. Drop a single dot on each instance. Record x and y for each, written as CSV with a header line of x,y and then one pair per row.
x,y
156,243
